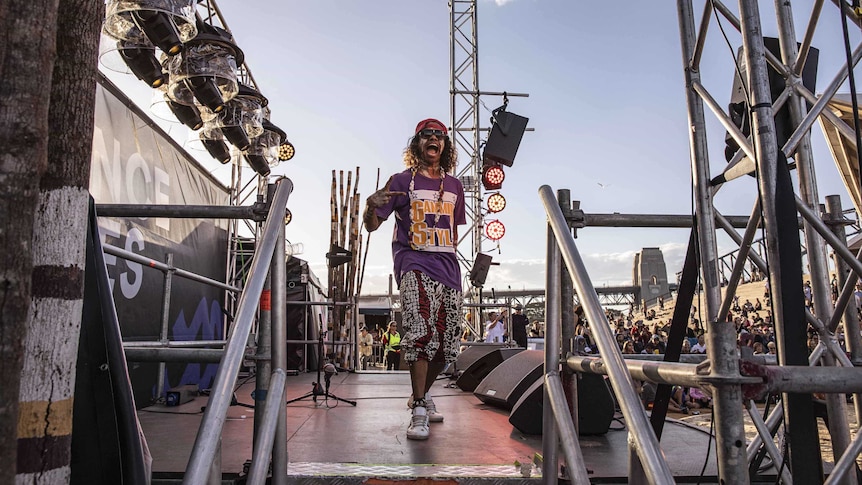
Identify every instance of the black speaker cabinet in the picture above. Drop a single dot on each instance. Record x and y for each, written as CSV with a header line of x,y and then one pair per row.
x,y
505,138
595,407
478,370
479,271
504,385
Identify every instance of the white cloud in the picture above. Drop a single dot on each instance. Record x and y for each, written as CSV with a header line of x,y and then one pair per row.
x,y
500,3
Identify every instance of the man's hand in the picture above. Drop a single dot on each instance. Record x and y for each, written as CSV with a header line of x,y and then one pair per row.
x,y
375,200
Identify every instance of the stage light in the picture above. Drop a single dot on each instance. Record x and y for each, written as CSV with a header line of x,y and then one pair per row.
x,y
141,59
286,151
164,23
236,136
242,118
160,30
213,141
205,71
188,115
496,202
258,163
288,216
493,177
217,149
268,143
495,230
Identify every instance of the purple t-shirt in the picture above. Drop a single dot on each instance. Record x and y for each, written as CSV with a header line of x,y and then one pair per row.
x,y
429,221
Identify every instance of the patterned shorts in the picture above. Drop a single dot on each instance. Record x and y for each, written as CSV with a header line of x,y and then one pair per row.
x,y
431,317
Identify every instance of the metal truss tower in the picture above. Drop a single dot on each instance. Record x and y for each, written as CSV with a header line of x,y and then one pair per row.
x,y
464,110
766,155
242,233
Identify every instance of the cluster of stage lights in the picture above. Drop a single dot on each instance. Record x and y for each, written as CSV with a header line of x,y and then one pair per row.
x,y
197,72
492,179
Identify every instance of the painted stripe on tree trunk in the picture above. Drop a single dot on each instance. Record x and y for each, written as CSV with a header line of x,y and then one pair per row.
x,y
45,418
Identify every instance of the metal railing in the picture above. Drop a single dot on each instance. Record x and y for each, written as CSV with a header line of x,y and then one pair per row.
x,y
212,423
643,441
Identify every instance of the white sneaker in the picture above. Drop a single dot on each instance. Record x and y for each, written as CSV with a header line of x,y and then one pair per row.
x,y
418,428
433,415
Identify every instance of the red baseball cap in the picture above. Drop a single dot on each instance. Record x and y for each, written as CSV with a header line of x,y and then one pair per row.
x,y
427,123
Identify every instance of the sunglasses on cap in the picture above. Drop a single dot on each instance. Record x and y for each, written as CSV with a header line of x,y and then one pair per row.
x,y
428,132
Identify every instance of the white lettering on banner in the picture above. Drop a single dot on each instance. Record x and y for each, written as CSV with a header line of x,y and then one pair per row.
x,y
162,194
110,164
111,228
135,182
131,289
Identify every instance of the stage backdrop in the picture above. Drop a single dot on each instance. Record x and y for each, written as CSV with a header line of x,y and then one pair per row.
x,y
135,162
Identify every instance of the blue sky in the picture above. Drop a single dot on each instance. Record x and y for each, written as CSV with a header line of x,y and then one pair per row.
x,y
348,80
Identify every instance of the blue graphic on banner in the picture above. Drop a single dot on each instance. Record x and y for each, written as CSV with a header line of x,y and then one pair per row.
x,y
205,325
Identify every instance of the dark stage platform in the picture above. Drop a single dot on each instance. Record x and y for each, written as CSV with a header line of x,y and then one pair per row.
x,y
333,441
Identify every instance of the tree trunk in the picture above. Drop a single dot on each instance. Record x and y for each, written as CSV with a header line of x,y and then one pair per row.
x,y
27,46
58,250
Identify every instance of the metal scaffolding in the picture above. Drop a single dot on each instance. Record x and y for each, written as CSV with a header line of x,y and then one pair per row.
x,y
732,377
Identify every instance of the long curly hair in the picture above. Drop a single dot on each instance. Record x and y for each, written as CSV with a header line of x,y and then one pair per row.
x,y
448,157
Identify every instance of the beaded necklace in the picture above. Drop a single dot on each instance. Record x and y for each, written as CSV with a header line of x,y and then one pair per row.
x,y
413,197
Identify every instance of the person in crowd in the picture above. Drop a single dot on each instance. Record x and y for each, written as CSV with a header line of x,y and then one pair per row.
x,y
686,346
700,346
366,348
392,346
429,205
494,328
519,326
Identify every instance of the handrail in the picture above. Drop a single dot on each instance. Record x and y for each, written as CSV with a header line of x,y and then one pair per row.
x,y
152,263
213,419
643,439
264,440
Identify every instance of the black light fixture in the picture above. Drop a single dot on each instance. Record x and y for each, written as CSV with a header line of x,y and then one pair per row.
x,y
205,71
188,115
242,118
213,141
217,149
268,143
167,24
258,163
236,136
160,30
288,216
141,60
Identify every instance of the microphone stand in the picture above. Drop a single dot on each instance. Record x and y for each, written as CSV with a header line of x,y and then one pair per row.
x,y
316,388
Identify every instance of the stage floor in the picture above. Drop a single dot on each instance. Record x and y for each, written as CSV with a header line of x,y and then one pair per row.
x,y
333,441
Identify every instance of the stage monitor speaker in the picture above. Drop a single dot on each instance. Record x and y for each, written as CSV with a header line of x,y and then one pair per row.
x,y
478,370
472,354
509,380
505,138
595,407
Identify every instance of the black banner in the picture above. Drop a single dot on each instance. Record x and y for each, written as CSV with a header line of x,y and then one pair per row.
x,y
135,162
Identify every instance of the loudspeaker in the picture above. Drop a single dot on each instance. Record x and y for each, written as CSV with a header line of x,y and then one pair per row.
x,y
595,407
738,107
505,137
478,370
504,385
479,271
